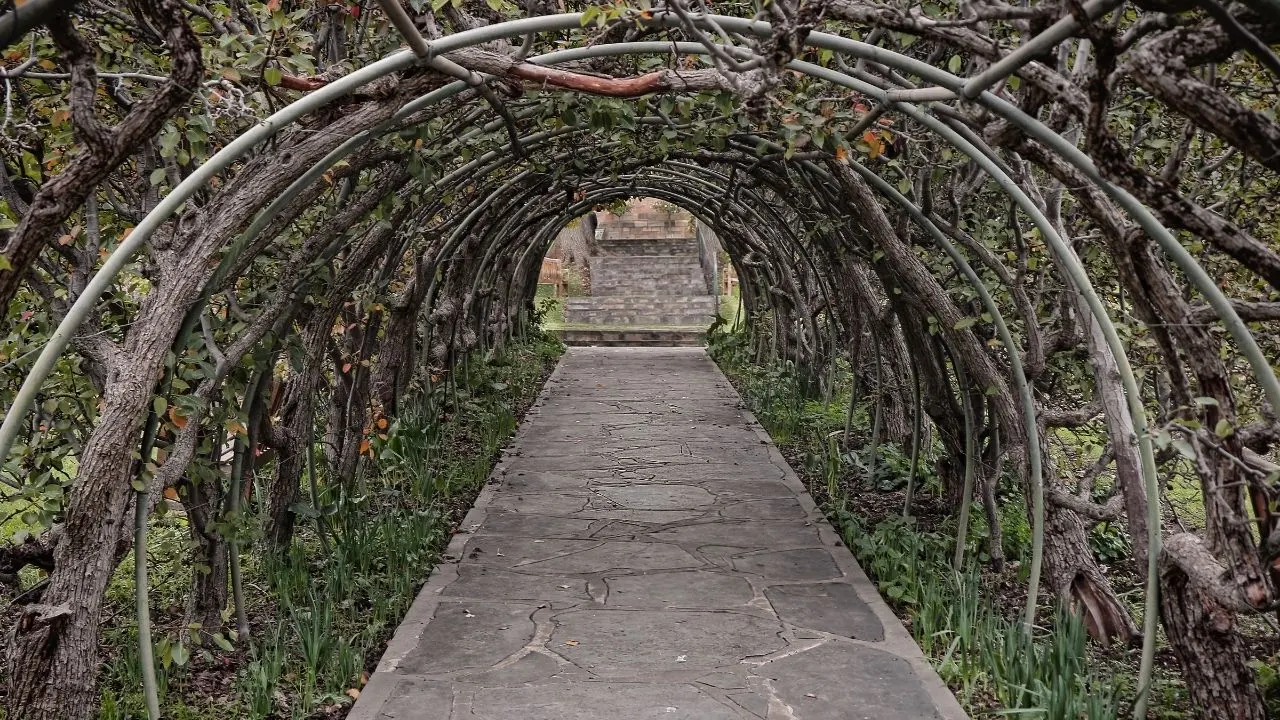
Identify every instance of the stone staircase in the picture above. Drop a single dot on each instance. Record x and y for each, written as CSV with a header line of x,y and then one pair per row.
x,y
647,283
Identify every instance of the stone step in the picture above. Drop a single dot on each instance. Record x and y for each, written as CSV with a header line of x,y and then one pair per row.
x,y
672,302
655,266
681,248
637,318
641,310
625,283
657,262
678,288
643,337
635,273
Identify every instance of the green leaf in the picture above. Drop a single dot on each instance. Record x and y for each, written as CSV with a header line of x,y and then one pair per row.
x,y
272,76
222,642
494,5
965,323
954,64
157,176
4,261
1184,448
159,405
180,654
1224,429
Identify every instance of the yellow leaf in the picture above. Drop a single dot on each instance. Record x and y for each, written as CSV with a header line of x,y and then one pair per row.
x,y
364,447
873,143
47,64
353,693
170,494
179,421
382,423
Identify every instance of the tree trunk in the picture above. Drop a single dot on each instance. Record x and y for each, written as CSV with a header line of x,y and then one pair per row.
x,y
1076,578
53,653
295,434
1203,636
208,598
394,368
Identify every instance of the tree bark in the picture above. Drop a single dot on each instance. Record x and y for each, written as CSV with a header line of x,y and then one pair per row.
x,y
1204,638
202,501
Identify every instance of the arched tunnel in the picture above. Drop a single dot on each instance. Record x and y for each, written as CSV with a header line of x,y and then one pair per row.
x,y
1002,221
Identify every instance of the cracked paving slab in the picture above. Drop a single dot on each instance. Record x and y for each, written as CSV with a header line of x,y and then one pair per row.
x,y
643,552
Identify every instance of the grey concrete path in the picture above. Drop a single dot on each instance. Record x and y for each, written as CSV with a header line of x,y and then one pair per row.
x,y
643,552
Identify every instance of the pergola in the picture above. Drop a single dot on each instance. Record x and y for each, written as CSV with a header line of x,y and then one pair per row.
x,y
750,188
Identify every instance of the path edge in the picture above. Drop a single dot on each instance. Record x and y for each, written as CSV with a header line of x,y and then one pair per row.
x,y
897,640
383,680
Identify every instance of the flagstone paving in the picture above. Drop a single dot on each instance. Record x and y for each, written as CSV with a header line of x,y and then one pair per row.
x,y
643,552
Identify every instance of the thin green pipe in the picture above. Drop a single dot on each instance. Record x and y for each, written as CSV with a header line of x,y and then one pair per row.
x,y
874,447
970,451
242,451
146,651
916,423
853,400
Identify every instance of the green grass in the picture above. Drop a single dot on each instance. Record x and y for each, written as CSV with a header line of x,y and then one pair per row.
x,y
550,306
730,308
982,654
323,611
10,519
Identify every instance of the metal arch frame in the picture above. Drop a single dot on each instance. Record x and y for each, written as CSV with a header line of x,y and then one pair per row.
x,y
404,59
969,87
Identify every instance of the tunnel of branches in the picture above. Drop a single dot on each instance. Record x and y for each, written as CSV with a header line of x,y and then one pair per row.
x,y
1008,219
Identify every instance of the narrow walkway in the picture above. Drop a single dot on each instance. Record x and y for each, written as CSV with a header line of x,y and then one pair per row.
x,y
644,553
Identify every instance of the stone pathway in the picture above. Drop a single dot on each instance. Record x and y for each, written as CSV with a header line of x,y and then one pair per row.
x,y
644,553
